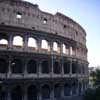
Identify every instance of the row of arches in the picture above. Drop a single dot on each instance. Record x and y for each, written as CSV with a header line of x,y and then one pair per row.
x,y
32,67
32,91
33,43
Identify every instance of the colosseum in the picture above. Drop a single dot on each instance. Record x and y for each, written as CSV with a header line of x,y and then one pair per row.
x,y
42,56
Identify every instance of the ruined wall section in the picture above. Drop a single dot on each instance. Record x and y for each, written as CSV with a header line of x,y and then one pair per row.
x,y
33,18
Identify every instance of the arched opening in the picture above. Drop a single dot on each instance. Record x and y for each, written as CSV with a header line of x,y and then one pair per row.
x,y
45,92
44,44
18,41
67,89
55,46
74,68
57,91
32,92
74,88
3,41
3,66
64,48
66,67
56,67
2,93
16,93
80,88
45,67
16,66
32,42
32,66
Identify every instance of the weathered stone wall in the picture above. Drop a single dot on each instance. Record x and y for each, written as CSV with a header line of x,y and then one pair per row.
x,y
33,18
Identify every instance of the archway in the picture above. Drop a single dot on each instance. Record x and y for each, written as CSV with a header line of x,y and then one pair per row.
x,y
57,91
32,66
16,66
45,92
56,67
32,92
45,67
16,93
3,66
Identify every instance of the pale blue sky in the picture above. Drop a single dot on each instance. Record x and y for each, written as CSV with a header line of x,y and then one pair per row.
x,y
86,13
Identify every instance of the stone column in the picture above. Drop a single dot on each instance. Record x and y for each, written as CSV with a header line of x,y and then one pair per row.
x,y
62,68
9,67
39,68
8,93
70,67
26,42
62,91
25,93
77,88
25,67
39,45
39,94
52,93
10,42
52,65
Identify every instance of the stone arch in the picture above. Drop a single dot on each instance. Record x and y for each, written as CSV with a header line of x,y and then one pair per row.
x,y
2,93
44,44
32,92
17,40
3,66
16,93
67,89
32,42
45,91
3,39
80,88
56,67
74,87
45,67
17,66
66,67
32,66
57,91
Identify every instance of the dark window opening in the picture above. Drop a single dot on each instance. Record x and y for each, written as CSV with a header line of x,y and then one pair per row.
x,y
64,26
3,66
56,68
32,66
66,67
45,67
19,15
74,68
16,66
45,92
32,92
57,91
45,21
2,93
67,89
16,93
74,88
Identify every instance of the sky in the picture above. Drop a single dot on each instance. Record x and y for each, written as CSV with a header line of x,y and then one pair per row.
x,y
86,13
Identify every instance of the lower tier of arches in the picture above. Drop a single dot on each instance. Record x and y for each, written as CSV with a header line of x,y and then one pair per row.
x,y
47,90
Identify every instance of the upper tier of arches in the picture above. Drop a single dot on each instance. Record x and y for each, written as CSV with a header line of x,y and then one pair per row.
x,y
23,14
42,44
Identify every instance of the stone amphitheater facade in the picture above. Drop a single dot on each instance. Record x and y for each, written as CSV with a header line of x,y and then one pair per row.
x,y
42,56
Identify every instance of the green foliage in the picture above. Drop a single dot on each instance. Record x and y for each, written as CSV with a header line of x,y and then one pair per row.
x,y
93,94
89,94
